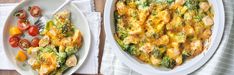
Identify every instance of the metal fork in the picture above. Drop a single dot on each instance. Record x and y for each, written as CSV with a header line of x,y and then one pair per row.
x,y
41,21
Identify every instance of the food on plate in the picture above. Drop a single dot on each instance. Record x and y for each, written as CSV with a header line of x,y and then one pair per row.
x,y
35,11
56,51
71,61
14,31
45,40
21,14
17,32
163,33
23,25
35,42
24,44
14,40
33,30
21,56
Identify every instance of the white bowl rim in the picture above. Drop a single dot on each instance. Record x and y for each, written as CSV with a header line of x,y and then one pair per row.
x,y
118,51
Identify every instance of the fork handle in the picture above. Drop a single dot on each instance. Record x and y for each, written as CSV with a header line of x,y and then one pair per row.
x,y
61,6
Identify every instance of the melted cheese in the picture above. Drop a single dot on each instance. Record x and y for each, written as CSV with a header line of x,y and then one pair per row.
x,y
177,26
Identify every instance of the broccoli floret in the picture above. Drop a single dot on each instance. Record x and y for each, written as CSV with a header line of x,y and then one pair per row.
x,y
170,1
168,62
162,1
47,49
116,17
61,57
185,55
180,37
199,16
158,52
192,4
142,4
70,50
121,44
122,33
62,69
131,49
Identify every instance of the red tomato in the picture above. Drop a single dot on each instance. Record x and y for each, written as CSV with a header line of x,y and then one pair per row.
x,y
35,42
35,11
23,24
21,14
14,40
24,43
33,30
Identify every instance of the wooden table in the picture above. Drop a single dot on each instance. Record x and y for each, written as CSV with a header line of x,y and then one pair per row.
x,y
99,5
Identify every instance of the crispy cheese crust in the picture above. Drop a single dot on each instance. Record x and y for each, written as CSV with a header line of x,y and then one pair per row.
x,y
163,32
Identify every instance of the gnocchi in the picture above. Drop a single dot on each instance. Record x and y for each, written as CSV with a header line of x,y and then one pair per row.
x,y
163,32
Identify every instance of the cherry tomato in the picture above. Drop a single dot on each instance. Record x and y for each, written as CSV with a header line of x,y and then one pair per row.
x,y
14,40
21,14
23,24
35,42
24,43
33,30
35,11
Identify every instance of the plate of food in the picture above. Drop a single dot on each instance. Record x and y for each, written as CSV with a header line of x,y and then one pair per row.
x,y
58,46
164,36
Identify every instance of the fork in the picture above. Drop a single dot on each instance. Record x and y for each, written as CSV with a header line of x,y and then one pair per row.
x,y
41,21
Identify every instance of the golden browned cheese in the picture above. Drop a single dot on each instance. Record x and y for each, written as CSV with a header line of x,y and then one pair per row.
x,y
163,32
57,47
56,34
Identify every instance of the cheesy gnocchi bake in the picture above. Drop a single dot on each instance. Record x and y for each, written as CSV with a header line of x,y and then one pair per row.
x,y
163,33
58,47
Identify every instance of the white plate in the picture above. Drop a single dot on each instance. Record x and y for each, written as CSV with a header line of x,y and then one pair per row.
x,y
47,6
187,67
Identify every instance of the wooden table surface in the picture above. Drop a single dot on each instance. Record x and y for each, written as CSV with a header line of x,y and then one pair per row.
x,y
99,5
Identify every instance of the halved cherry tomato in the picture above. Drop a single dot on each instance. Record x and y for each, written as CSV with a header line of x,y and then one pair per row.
x,y
23,24
21,14
33,30
14,40
35,42
35,11
24,43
